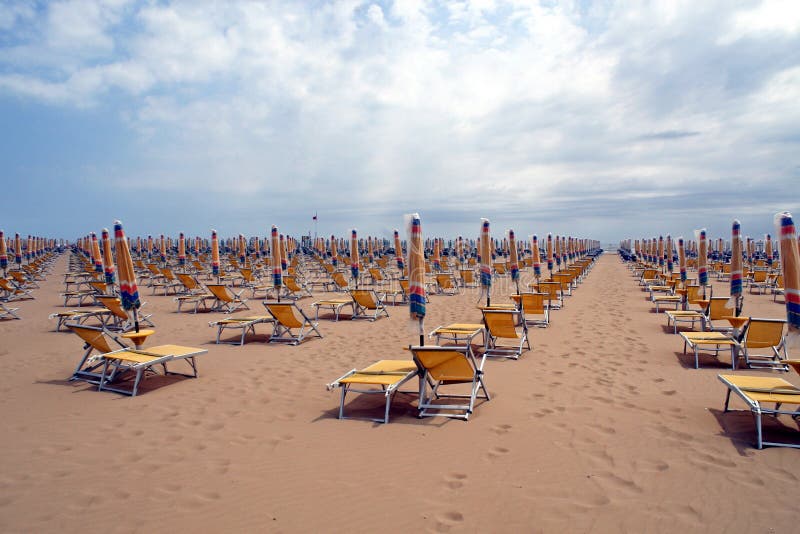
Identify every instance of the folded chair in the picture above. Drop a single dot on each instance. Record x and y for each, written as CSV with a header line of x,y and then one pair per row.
x,y
289,316
80,316
383,377
448,367
10,291
687,316
757,392
245,324
715,341
535,309
458,333
226,300
367,304
502,324
335,305
765,334
96,339
8,313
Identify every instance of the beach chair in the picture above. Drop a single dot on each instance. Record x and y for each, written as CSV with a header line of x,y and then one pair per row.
x,y
758,281
501,324
119,318
713,341
96,339
338,282
8,313
22,280
377,277
9,291
245,324
718,309
384,377
335,305
443,369
367,304
226,300
553,292
468,278
765,334
687,316
293,289
534,309
168,282
80,316
446,284
458,333
288,317
759,391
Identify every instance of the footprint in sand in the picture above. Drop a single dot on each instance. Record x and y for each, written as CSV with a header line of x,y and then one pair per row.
x,y
496,452
455,480
501,429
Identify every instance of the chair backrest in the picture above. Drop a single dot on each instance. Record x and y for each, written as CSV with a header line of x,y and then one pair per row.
x,y
376,274
221,292
291,283
284,314
188,281
692,293
759,276
404,286
168,274
468,275
445,280
718,308
445,363
247,274
153,268
648,274
500,323
93,336
532,303
339,280
114,305
762,333
365,298
550,289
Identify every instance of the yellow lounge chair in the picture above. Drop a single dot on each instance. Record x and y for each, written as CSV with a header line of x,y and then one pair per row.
x,y
226,300
96,339
534,307
367,304
141,361
335,305
10,291
119,318
757,392
289,316
294,289
765,334
446,284
502,324
759,281
80,316
458,333
468,278
245,324
386,375
553,291
445,367
717,340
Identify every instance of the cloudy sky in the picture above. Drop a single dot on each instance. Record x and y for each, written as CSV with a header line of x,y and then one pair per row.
x,y
605,119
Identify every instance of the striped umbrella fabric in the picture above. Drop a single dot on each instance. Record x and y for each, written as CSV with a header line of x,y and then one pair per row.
x,y
416,273
162,246
736,267
668,252
398,251
790,262
277,267
436,260
334,256
558,251
128,291
284,252
181,249
214,253
768,249
513,258
702,257
460,249
486,257
549,252
354,259
17,250
107,258
3,252
564,250
661,251
242,251
682,260
96,257
537,257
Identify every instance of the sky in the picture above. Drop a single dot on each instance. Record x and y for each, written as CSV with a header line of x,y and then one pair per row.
x,y
602,119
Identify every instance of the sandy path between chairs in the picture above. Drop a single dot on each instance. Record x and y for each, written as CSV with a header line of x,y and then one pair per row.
x,y
602,427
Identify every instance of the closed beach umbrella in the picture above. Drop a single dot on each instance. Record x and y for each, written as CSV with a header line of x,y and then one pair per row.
x,y
242,251
162,246
437,256
557,251
537,258
215,254
768,250
398,251
661,252
416,274
790,261
96,257
334,255
128,291
682,260
736,267
277,268
486,260
702,259
3,253
513,259
181,250
354,259
668,251
108,260
460,249
150,247
284,251
549,252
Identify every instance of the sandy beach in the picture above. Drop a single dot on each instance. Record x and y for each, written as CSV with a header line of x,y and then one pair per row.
x,y
605,426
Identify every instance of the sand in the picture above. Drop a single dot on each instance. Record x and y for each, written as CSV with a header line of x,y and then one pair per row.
x,y
603,427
